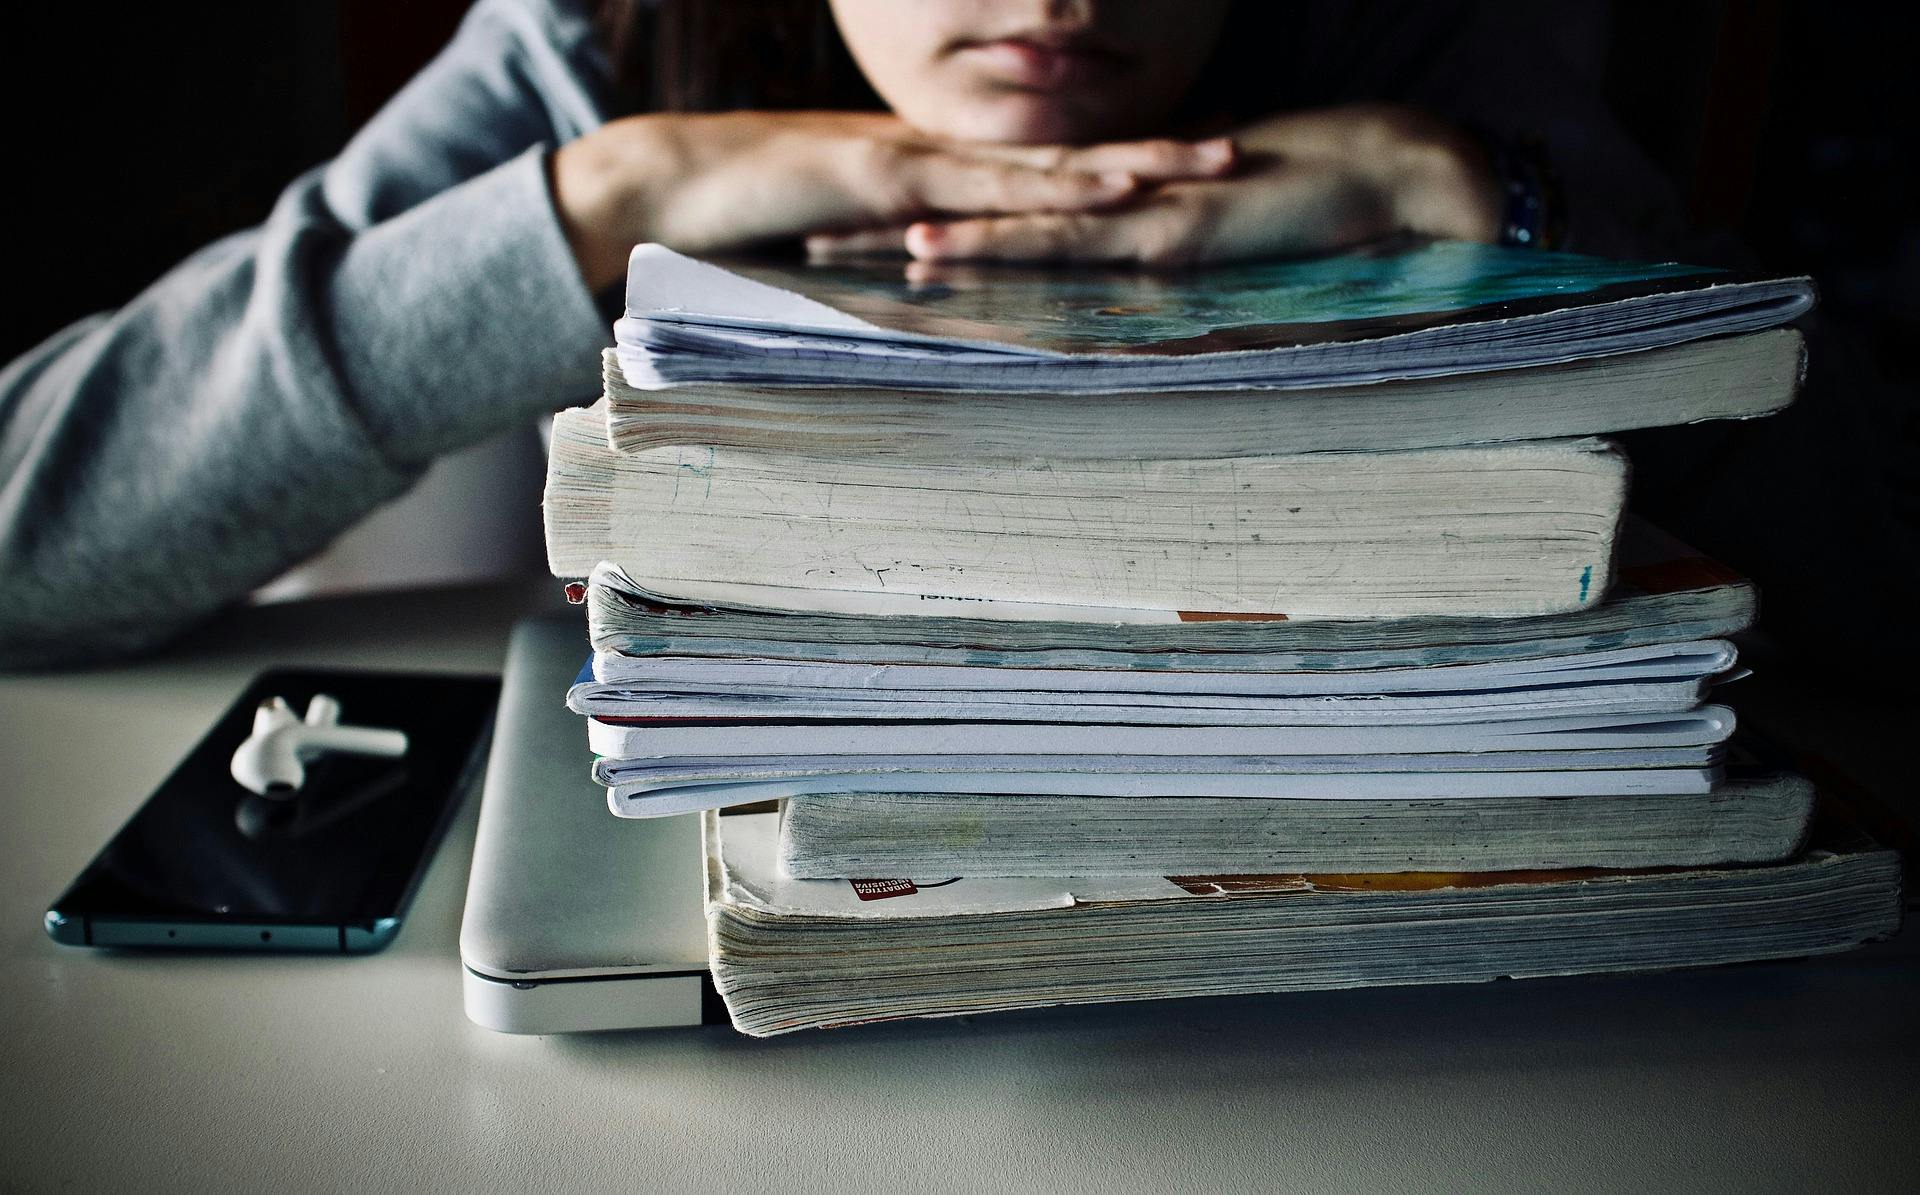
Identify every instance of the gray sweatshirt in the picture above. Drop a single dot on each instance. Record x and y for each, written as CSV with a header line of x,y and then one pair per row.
x,y
412,296
416,295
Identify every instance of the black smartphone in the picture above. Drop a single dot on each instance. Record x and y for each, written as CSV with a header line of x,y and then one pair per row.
x,y
207,864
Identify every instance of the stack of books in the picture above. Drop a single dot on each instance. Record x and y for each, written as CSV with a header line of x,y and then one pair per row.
x,y
1111,636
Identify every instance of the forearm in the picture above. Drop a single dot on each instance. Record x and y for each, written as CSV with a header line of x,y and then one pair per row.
x,y
265,395
1504,72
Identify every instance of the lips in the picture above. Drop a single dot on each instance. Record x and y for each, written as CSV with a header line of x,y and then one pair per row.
x,y
1042,65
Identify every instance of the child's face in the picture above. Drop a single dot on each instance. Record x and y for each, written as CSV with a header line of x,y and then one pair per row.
x,y
1032,70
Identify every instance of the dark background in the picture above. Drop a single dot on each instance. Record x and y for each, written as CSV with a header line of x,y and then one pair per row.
x,y
139,133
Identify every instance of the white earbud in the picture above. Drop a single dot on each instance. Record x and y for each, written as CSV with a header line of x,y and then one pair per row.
x,y
272,762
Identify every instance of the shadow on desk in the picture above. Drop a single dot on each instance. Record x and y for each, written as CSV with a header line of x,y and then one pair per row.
x,y
456,628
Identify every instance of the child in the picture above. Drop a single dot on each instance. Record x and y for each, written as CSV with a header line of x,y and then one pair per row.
x,y
435,285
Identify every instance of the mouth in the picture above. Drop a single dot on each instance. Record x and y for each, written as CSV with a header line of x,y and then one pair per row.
x,y
1043,62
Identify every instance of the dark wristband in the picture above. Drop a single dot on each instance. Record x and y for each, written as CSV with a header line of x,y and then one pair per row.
x,y
1534,216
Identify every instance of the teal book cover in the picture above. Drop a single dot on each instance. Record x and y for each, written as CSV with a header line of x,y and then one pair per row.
x,y
1389,289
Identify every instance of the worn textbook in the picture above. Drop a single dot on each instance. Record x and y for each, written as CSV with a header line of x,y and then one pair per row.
x,y
1513,529
790,954
1753,817
899,735
1730,377
1665,592
1679,752
1670,673
1391,312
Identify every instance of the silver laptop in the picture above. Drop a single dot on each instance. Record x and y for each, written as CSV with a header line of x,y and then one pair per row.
x,y
575,920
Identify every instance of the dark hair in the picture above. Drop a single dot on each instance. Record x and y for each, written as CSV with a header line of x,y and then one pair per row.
x,y
726,55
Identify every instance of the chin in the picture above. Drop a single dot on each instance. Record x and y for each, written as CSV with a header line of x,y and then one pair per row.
x,y
1022,120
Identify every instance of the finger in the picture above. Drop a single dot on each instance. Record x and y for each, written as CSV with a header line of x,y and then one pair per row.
x,y
926,275
867,242
946,183
1163,235
1043,236
1158,159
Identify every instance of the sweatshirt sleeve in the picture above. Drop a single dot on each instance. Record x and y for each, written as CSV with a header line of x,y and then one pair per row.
x,y
409,298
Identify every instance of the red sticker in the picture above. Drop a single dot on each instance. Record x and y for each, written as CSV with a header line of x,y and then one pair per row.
x,y
882,889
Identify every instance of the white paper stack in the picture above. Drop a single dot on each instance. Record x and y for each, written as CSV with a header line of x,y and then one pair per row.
x,y
793,954
693,709
1290,607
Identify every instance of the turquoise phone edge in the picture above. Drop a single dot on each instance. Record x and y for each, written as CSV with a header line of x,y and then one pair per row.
x,y
191,935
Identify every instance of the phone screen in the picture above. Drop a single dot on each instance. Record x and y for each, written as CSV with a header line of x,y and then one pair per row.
x,y
206,863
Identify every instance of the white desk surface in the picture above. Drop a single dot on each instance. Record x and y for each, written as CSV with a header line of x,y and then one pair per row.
x,y
210,1072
